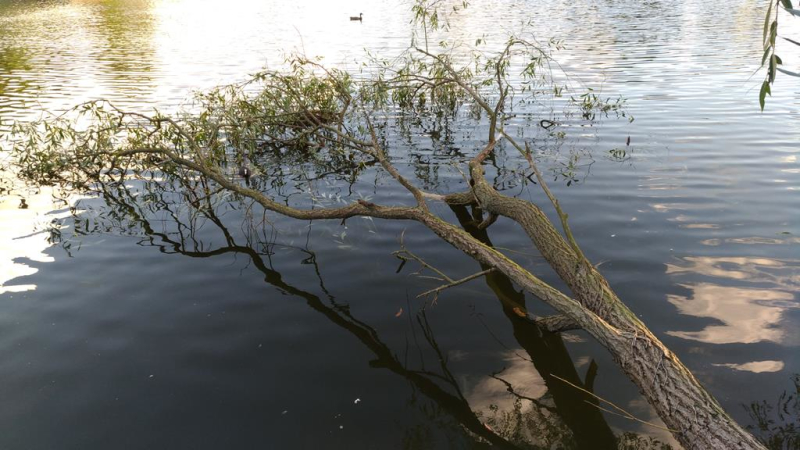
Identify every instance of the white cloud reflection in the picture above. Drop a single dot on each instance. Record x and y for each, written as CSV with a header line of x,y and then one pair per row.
x,y
520,373
756,366
743,314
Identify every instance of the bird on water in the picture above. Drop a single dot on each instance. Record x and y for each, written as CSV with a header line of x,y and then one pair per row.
x,y
360,17
244,170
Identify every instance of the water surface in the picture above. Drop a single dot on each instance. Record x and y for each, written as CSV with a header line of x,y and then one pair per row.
x,y
293,335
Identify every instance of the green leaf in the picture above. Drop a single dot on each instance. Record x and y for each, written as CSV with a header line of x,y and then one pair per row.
x,y
773,65
792,41
794,12
766,23
763,94
789,72
787,4
764,58
773,33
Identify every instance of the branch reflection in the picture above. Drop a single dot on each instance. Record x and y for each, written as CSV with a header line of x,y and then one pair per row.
x,y
178,221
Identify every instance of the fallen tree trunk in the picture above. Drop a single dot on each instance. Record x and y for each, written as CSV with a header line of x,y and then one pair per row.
x,y
693,416
122,140
687,409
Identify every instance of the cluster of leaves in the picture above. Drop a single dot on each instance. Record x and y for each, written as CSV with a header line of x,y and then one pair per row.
x,y
291,113
6,182
304,121
769,40
590,104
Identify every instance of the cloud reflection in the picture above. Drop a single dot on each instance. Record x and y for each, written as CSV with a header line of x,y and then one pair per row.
x,y
756,366
520,373
744,314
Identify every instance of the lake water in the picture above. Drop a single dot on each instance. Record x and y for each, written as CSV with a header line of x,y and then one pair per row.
x,y
215,334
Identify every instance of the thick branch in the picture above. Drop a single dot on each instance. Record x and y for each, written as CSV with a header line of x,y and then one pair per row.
x,y
557,323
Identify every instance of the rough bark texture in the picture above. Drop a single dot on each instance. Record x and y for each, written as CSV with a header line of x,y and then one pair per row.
x,y
694,416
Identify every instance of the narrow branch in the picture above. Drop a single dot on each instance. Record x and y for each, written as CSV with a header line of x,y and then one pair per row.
x,y
561,214
384,160
406,255
503,91
511,391
354,209
456,282
621,412
458,79
485,152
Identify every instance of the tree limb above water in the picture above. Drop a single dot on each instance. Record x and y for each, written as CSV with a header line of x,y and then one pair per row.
x,y
309,116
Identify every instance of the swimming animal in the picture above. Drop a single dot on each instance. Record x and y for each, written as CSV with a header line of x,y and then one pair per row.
x,y
359,18
244,170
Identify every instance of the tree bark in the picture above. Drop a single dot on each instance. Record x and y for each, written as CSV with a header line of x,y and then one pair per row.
x,y
695,418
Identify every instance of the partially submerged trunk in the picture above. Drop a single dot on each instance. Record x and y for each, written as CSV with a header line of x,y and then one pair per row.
x,y
161,144
691,414
549,356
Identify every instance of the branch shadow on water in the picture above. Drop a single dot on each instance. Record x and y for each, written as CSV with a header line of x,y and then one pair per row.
x,y
778,425
549,356
565,417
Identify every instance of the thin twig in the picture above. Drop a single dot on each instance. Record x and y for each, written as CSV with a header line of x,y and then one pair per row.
x,y
621,413
406,255
456,282
511,391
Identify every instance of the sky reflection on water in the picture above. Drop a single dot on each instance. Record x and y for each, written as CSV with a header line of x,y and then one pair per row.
x,y
698,230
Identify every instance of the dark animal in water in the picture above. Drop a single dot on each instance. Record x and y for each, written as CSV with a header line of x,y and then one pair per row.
x,y
244,170
360,17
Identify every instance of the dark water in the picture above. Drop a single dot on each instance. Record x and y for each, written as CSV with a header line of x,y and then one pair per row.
x,y
210,332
